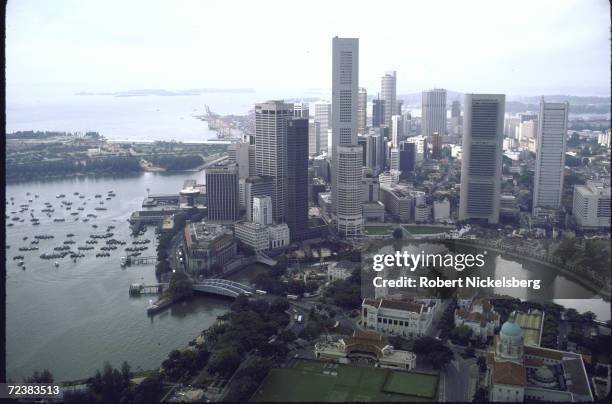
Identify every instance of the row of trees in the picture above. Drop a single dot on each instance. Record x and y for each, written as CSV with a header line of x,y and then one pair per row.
x,y
66,166
176,162
346,293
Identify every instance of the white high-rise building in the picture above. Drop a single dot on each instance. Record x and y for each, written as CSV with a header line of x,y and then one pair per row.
x,y
550,156
350,175
388,86
322,115
481,163
362,110
397,130
420,143
433,112
314,137
394,162
346,154
262,210
300,110
591,205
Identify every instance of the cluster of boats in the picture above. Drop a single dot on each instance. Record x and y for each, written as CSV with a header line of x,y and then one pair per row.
x,y
67,249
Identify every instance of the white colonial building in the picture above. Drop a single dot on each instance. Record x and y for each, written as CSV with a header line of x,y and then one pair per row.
x,y
279,235
395,317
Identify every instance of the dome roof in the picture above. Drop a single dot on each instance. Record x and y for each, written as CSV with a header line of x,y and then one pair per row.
x,y
544,374
511,329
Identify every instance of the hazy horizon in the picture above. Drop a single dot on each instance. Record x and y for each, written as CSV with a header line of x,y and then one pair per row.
x,y
518,48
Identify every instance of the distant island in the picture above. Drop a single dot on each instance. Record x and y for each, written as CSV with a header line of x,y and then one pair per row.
x,y
165,93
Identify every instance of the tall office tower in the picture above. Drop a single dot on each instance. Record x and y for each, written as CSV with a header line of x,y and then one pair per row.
x,y
252,170
271,150
436,145
300,110
481,162
420,144
400,104
456,121
378,113
350,174
363,142
407,157
362,110
256,186
296,203
528,130
314,137
394,161
388,85
550,156
322,115
433,112
397,130
511,127
239,153
346,155
262,210
222,192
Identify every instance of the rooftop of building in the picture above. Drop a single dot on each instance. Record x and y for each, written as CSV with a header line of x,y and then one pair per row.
x,y
395,304
510,373
201,231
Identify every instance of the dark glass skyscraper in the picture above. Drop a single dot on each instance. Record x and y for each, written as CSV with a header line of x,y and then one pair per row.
x,y
222,192
378,113
296,200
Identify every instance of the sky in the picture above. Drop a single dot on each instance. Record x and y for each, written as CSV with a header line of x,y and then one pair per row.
x,y
513,47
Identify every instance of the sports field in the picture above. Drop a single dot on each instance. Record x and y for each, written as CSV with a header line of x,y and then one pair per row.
x,y
377,230
416,229
320,381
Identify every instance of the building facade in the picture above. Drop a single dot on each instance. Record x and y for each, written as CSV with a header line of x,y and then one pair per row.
x,y
206,245
591,205
296,215
550,156
393,317
481,161
362,111
433,107
271,150
388,87
222,192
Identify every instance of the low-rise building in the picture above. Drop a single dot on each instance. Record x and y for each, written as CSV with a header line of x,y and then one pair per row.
x,y
591,205
340,270
369,344
207,244
373,211
441,210
254,235
404,318
279,235
480,317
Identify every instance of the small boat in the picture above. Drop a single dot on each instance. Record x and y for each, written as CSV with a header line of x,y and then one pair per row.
x,y
25,238
97,196
59,220
10,224
70,235
20,264
56,264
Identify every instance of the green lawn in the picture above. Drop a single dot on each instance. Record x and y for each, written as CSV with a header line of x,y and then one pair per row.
x,y
415,229
320,381
378,230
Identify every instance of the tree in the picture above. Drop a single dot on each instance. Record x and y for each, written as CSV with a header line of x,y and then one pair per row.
x,y
280,304
149,390
470,351
224,362
398,233
482,363
180,287
39,377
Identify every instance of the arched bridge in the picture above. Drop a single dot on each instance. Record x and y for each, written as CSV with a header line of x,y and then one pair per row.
x,y
222,287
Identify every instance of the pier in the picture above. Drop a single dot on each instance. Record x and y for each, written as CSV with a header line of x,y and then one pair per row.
x,y
130,260
142,289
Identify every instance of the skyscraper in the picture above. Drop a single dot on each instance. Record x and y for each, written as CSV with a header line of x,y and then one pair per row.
x,y
256,186
550,156
296,215
322,115
436,145
300,110
434,112
222,192
362,110
407,157
314,137
378,113
481,162
271,150
346,155
388,85
456,121
262,210
397,129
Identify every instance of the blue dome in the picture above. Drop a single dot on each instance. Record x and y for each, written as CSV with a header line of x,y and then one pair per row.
x,y
511,329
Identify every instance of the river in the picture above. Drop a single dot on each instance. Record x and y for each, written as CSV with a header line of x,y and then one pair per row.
x,y
72,318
